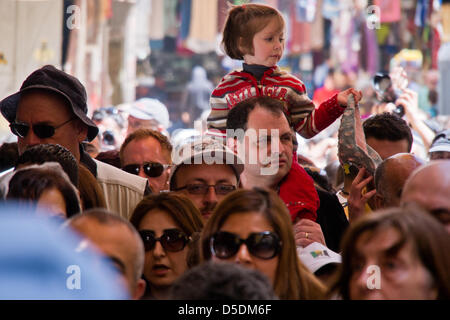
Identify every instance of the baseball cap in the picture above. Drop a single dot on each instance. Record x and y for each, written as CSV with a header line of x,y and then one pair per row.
x,y
441,142
51,79
148,109
316,255
205,150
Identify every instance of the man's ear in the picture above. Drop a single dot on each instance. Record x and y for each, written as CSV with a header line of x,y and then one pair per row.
x,y
82,131
140,289
378,201
232,144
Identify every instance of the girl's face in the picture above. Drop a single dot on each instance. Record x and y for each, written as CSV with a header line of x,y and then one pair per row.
x,y
383,271
162,267
268,45
242,225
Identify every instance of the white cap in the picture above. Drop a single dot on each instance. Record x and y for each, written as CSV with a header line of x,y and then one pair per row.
x,y
148,109
441,142
316,255
208,150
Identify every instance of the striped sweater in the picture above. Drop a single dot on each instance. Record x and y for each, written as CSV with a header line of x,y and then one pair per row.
x,y
240,85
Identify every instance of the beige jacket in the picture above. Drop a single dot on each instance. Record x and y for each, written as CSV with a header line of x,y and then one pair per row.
x,y
122,190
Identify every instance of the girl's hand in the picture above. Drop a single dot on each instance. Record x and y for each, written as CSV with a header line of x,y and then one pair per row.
x,y
343,96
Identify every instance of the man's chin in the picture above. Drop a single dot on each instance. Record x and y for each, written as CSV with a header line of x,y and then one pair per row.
x,y
206,215
275,170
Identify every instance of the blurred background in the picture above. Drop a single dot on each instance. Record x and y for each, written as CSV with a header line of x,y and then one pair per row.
x,y
169,50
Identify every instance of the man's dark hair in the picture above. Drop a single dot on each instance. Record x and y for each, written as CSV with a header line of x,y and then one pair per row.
x,y
387,126
111,157
8,155
41,153
222,281
238,116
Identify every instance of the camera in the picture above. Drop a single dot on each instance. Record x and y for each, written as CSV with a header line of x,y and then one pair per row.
x,y
108,138
382,84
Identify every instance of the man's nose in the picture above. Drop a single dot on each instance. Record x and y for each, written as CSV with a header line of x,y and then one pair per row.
x,y
31,139
210,196
142,173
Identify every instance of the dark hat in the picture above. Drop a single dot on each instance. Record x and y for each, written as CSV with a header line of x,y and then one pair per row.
x,y
51,79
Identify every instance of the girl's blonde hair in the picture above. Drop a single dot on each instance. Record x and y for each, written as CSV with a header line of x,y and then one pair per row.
x,y
241,25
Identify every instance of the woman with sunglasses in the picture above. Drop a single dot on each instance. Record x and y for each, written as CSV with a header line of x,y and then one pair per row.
x,y
253,228
169,225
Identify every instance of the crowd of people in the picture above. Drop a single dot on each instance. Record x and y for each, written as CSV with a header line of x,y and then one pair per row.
x,y
240,209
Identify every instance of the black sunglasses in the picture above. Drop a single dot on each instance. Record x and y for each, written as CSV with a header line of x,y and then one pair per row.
x,y
202,189
172,240
264,245
151,169
41,130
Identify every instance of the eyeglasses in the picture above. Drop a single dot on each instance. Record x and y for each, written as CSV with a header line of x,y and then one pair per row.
x,y
41,130
172,240
151,169
264,245
202,189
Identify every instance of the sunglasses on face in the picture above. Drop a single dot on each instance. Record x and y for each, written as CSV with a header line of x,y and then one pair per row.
x,y
151,169
202,189
172,240
41,130
264,245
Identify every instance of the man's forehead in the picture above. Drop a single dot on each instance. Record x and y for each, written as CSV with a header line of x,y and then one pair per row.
x,y
206,172
50,105
259,110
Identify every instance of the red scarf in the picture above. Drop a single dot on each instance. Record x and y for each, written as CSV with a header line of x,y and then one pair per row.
x,y
299,194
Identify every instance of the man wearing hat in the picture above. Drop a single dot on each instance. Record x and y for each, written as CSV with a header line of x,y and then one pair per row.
x,y
205,171
148,113
440,147
51,107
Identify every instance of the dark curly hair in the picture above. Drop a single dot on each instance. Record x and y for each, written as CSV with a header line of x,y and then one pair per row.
x,y
388,126
41,153
222,281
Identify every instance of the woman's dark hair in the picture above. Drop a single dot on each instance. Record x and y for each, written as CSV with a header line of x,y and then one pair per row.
x,y
31,182
91,194
428,237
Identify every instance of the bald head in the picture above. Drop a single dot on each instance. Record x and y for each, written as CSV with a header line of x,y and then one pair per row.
x,y
390,178
117,239
429,187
